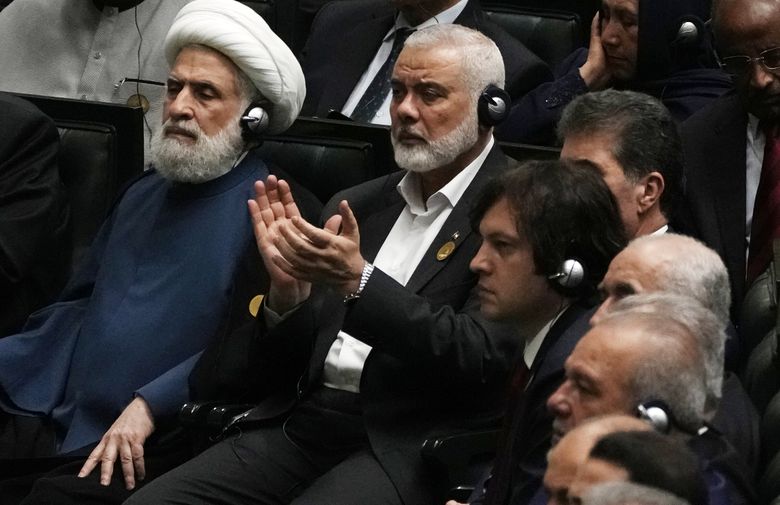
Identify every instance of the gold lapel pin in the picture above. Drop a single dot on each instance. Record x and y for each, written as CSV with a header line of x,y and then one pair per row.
x,y
445,250
254,305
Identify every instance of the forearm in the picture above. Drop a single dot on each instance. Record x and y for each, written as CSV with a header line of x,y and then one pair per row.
x,y
447,338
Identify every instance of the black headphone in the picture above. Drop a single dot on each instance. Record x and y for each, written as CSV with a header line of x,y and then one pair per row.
x,y
657,413
493,106
254,121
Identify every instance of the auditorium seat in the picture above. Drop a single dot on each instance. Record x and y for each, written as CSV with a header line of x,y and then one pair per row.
x,y
101,149
326,156
552,35
584,9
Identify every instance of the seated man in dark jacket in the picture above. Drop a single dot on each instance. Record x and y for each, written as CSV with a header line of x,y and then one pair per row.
x,y
659,47
103,371
33,213
353,45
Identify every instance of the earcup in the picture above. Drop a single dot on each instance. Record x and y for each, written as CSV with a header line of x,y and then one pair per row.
x,y
493,106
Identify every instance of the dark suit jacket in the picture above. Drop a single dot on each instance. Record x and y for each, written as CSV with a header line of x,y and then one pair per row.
x,y
435,362
346,35
34,238
714,140
522,457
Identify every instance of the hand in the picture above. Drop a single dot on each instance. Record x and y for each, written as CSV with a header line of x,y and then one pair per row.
x,y
273,205
327,255
453,502
125,440
595,72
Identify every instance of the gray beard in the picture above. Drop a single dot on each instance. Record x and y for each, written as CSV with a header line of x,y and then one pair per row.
x,y
436,153
205,160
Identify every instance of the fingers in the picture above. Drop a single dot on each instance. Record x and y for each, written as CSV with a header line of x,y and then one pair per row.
x,y
595,28
92,460
349,225
333,224
107,460
126,462
138,461
287,200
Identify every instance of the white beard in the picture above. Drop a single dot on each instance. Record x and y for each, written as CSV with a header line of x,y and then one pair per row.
x,y
206,159
436,153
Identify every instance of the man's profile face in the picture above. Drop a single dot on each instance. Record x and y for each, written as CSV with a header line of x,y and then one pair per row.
x,y
202,88
597,149
433,115
619,36
633,271
747,28
598,378
509,286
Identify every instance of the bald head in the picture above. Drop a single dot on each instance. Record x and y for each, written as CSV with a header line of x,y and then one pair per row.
x,y
668,263
747,28
573,449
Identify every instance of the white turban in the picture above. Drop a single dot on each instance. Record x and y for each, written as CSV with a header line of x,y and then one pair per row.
x,y
239,33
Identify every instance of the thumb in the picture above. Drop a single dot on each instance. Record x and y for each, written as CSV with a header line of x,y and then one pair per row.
x,y
349,226
333,224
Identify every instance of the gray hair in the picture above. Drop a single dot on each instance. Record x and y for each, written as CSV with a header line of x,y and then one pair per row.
x,y
682,364
480,58
694,270
628,493
645,136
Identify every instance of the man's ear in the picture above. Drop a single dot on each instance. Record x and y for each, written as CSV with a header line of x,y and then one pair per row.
x,y
651,189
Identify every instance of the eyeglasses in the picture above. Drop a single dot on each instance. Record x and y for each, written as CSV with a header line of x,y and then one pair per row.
x,y
739,66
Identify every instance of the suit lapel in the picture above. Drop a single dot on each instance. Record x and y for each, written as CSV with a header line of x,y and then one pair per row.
x,y
730,181
349,70
457,226
379,224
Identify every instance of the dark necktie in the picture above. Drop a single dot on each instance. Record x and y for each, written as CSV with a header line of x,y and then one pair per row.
x,y
766,210
376,92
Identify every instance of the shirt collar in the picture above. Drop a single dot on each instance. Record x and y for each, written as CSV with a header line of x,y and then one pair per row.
x,y
660,231
532,346
409,185
753,129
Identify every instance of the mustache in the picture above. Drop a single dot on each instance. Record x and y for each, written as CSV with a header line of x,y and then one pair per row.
x,y
189,128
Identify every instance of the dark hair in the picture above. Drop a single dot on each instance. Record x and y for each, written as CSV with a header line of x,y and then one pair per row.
x,y
565,210
645,136
656,460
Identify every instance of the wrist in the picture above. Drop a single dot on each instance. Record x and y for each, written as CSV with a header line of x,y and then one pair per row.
x,y
595,79
353,292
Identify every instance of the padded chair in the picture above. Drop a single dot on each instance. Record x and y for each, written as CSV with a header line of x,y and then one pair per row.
x,y
584,9
101,149
525,152
326,156
552,35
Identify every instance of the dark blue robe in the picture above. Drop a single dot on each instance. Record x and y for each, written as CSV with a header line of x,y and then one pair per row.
x,y
137,314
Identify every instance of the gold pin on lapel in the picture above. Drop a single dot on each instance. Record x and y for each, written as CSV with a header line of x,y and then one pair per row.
x,y
254,305
444,251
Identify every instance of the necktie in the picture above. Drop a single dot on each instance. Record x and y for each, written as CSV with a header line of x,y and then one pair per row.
x,y
376,92
766,209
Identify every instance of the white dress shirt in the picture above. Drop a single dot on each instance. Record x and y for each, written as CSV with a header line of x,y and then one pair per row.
x,y
419,224
754,158
383,114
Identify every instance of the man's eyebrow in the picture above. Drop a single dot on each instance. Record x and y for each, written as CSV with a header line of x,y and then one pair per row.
x,y
196,83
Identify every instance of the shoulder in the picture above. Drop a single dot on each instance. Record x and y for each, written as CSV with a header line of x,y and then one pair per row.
x,y
726,109
16,110
370,195
335,17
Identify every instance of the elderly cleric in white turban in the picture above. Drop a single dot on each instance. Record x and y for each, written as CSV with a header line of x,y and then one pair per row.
x,y
239,33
